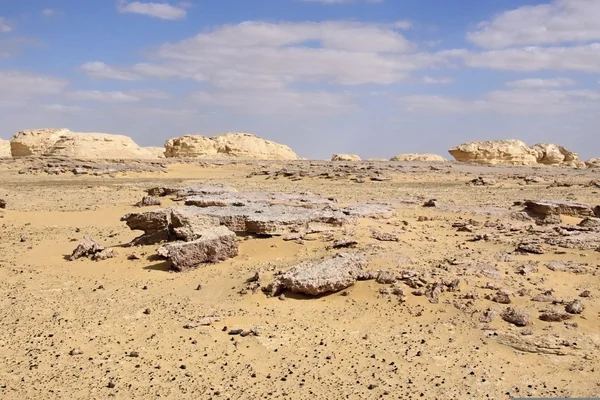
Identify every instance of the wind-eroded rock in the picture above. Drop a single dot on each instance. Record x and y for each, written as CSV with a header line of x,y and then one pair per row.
x,y
552,154
212,245
545,208
418,157
513,152
228,145
345,157
64,143
315,278
5,148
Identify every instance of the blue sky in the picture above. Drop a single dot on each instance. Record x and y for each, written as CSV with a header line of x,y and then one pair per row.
x,y
376,78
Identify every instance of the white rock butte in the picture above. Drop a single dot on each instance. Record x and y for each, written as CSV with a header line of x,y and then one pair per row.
x,y
64,143
345,157
417,157
512,152
228,145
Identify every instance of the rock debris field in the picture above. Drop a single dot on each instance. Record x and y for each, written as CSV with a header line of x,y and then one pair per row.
x,y
183,278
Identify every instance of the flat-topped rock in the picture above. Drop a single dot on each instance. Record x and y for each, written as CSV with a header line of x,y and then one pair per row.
x,y
512,152
210,246
418,157
5,148
63,143
345,157
35,142
558,207
228,145
330,275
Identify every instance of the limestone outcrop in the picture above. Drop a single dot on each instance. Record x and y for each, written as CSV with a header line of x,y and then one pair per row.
x,y
512,152
228,145
35,142
593,163
156,152
345,157
516,152
552,154
64,143
5,148
418,157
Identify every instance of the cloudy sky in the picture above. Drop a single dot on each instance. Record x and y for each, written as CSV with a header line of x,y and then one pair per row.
x,y
372,77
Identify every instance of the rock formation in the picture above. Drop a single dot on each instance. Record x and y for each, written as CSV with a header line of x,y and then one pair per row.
x,y
157,152
34,142
551,154
515,152
316,278
593,163
5,148
512,152
345,157
64,143
417,157
228,145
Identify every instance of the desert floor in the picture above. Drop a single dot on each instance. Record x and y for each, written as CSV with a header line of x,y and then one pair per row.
x,y
127,317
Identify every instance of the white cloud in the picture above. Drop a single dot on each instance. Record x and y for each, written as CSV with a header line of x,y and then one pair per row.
x,y
561,21
403,24
18,86
518,102
533,83
428,80
118,96
157,10
282,54
4,26
100,70
585,58
51,12
61,108
106,97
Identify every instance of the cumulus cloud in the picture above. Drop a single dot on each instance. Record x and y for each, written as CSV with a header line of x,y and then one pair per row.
x,y
278,54
561,21
157,10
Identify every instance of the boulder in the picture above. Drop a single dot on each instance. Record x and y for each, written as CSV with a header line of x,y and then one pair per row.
x,y
512,152
345,157
211,246
552,154
228,145
35,142
316,278
544,208
593,163
87,248
5,148
64,143
418,157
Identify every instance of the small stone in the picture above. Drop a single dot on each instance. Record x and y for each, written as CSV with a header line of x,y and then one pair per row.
x,y
134,354
147,311
586,293
575,307
516,316
110,385
236,331
76,352
554,316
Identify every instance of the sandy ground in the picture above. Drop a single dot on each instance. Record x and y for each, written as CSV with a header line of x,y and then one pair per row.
x,y
127,317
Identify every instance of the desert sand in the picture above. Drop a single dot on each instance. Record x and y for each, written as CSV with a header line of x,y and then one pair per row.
x,y
130,328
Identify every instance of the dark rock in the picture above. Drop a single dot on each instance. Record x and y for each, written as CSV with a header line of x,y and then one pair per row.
x,y
575,307
554,316
516,316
